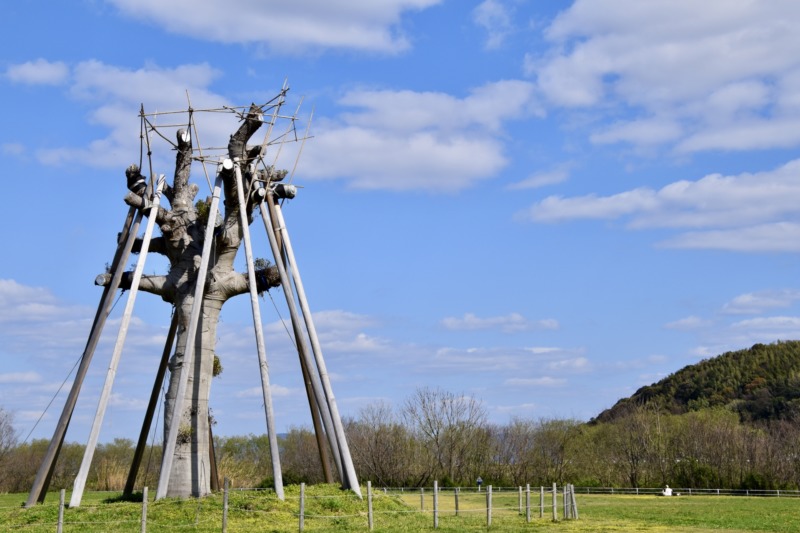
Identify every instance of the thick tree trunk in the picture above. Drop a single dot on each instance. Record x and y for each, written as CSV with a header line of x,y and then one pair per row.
x,y
191,467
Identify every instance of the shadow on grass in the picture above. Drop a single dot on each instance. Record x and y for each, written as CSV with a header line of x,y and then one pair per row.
x,y
135,497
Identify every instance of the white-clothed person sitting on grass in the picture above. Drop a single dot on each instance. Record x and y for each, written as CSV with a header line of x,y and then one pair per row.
x,y
667,491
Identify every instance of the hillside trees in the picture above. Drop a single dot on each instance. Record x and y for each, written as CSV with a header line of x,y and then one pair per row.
x,y
760,383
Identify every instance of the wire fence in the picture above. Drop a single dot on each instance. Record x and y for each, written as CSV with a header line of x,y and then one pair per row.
x,y
327,508
689,491
320,510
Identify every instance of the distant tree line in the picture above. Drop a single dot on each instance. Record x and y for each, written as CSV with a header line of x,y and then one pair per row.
x,y
440,436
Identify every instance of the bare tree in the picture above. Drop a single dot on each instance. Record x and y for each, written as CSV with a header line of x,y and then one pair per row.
x,y
8,436
183,229
382,447
450,427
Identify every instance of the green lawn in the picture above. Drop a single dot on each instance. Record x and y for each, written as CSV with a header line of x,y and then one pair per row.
x,y
329,509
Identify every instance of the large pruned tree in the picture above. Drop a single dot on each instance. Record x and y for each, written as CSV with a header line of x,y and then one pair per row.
x,y
183,230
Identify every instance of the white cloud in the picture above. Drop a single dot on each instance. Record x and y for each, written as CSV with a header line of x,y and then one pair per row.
x,y
126,403
39,72
404,140
688,323
557,208
474,360
577,363
542,179
338,319
545,350
497,19
285,26
24,303
777,237
342,331
511,323
758,302
716,75
20,377
391,140
545,381
360,343
746,212
122,92
787,323
642,131
751,134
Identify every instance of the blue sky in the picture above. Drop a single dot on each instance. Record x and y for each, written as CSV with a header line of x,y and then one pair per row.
x,y
545,205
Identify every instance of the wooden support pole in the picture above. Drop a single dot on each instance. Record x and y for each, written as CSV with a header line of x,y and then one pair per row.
x,y
42,481
171,438
141,445
316,383
83,472
212,459
302,350
349,479
262,355
313,401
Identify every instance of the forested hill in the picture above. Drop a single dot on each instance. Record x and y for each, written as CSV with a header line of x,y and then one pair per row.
x,y
760,383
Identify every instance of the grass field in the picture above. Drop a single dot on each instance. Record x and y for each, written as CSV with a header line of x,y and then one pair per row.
x,y
329,509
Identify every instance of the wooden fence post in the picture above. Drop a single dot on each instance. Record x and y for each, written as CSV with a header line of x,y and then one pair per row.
x,y
422,498
528,502
455,495
489,506
541,502
60,526
302,513
555,503
520,499
369,505
435,504
225,506
574,503
144,510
